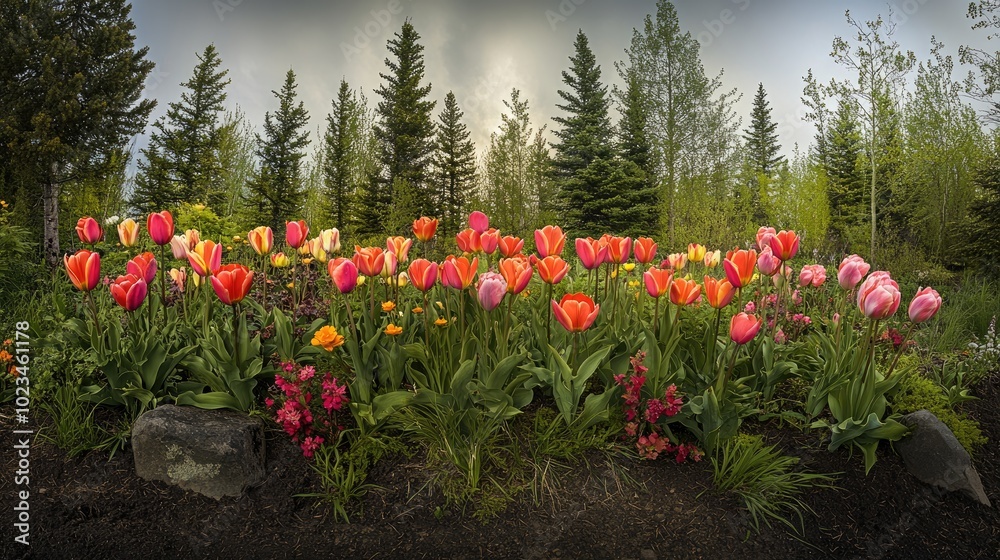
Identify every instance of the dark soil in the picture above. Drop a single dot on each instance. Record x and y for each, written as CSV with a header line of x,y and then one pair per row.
x,y
90,507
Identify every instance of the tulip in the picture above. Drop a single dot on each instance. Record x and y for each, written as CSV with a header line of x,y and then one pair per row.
x,y
925,305
179,246
684,292
128,232
812,274
739,266
160,226
84,269
261,239
675,261
517,273
696,252
232,283
315,247
423,273
344,274
478,221
852,269
459,273
88,230
296,233
658,281
712,258
424,228
400,280
143,266
369,260
591,252
400,246
179,278
645,250
492,287
129,291
785,245
490,239
743,327
549,241
764,235
193,237
205,258
619,249
878,296
280,260
469,241
329,239
510,245
552,269
575,312
389,265
719,293
784,272
767,263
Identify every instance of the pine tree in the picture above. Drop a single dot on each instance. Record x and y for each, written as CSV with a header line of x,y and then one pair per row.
x,y
405,132
182,160
985,213
761,138
846,179
634,145
58,113
337,154
454,165
277,191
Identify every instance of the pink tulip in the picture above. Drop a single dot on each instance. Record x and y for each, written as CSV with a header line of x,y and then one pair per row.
x,y
925,305
852,270
344,274
179,247
478,221
129,291
296,233
490,239
743,328
88,230
767,263
878,296
160,226
812,274
764,235
143,266
492,287
591,252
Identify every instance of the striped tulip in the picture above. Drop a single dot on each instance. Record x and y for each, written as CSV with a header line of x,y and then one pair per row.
x,y
459,272
658,281
924,305
205,258
684,292
261,239
400,246
785,244
592,252
469,241
696,252
719,293
128,232
369,260
84,269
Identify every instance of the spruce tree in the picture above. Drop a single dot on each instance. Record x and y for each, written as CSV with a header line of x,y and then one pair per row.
x,y
846,179
181,163
454,165
635,146
761,138
337,154
277,192
405,132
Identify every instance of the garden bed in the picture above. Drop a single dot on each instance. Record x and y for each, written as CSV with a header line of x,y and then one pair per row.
x,y
90,507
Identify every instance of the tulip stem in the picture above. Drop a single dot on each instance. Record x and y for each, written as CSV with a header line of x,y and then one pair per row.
x,y
163,283
350,316
576,339
208,305
264,270
93,311
899,352
715,338
656,317
427,324
506,326
295,270
548,316
236,333
724,380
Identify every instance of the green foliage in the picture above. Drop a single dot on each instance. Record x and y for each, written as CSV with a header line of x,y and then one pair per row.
x,y
204,219
568,385
917,392
454,167
766,481
74,428
348,158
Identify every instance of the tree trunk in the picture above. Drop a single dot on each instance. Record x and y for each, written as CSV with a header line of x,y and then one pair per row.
x,y
50,219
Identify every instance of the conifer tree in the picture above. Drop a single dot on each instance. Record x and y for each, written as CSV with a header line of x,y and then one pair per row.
x,y
454,165
336,161
846,179
761,138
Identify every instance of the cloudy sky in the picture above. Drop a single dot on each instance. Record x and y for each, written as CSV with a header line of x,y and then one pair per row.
x,y
482,49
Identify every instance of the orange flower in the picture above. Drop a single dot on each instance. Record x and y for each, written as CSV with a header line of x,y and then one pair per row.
x,y
261,239
441,321
84,269
327,338
424,228
552,269
719,292
510,245
658,281
205,258
369,260
469,241
739,266
129,291
128,232
684,292
619,249
400,246
785,244
393,330
459,273
645,250
423,273
388,306
517,273
549,241
232,283
575,312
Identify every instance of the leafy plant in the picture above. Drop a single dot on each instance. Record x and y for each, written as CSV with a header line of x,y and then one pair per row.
x,y
73,428
920,393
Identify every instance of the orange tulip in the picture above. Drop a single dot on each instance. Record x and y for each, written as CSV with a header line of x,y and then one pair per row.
x,y
469,241
459,273
423,274
261,239
549,241
684,292
739,266
719,293
205,258
510,245
517,273
84,269
785,244
696,252
400,246
619,249
552,269
232,283
424,228
160,226
658,281
128,232
88,230
645,250
369,260
575,312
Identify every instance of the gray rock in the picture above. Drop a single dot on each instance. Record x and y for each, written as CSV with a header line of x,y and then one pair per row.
x,y
213,452
933,455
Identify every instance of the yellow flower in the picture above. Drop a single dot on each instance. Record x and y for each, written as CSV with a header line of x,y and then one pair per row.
x,y
198,207
290,285
236,239
307,260
418,310
361,280
629,267
633,283
393,330
388,306
441,322
614,273
3,203
328,338
229,247
439,304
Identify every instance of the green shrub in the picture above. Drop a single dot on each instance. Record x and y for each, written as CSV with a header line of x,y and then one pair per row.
x,y
917,392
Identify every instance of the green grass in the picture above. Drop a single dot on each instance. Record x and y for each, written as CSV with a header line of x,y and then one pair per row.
x,y
73,428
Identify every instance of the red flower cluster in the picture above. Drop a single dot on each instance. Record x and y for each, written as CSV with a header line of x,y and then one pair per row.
x,y
306,405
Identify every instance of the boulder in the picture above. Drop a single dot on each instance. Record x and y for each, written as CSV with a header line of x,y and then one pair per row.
x,y
213,452
933,455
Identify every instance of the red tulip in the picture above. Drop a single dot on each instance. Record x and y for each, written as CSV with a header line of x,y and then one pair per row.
x,y
424,228
369,260
739,266
232,283
619,249
344,274
591,252
575,312
261,239
785,245
549,241
768,263
84,269
925,305
129,291
552,269
296,233
764,235
878,296
478,221
490,239
719,293
684,292
743,327
88,230
658,281
852,269
510,245
423,274
517,273
143,266
160,226
205,258
469,241
645,250
460,272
